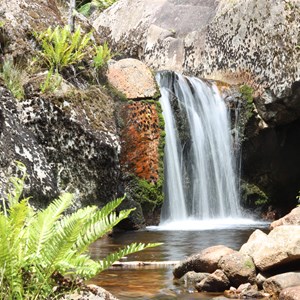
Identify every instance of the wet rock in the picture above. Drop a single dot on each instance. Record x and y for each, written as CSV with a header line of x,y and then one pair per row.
x,y
192,278
291,293
293,218
215,282
260,279
238,267
275,284
132,78
205,261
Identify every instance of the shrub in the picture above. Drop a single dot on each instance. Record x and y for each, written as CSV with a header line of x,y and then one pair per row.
x,y
39,246
13,77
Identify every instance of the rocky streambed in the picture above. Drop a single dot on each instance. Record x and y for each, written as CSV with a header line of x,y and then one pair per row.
x,y
266,266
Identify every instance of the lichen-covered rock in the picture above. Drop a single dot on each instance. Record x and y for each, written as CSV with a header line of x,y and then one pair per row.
x,y
205,261
293,218
132,78
226,40
18,143
68,143
142,156
239,268
20,20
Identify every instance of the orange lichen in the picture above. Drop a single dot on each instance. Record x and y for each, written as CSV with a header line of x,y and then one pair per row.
x,y
140,140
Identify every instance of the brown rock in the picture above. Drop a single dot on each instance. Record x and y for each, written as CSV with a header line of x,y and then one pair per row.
x,y
215,282
293,218
291,293
238,267
256,239
280,249
192,278
132,78
205,261
275,284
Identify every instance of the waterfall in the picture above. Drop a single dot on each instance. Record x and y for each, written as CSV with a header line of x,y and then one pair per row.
x,y
200,176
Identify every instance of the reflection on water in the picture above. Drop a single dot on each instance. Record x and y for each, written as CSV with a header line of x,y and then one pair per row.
x,y
157,283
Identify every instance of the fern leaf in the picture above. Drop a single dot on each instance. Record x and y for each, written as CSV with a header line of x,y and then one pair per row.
x,y
43,227
99,225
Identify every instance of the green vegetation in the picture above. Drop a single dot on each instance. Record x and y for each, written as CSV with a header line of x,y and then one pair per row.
x,y
52,82
39,246
100,5
102,56
253,196
247,94
13,77
62,48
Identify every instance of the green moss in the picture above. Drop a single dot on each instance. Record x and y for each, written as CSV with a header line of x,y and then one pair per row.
x,y
247,94
115,93
249,264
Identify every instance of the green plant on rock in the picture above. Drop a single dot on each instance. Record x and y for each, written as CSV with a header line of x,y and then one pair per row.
x,y
52,82
61,48
102,56
100,5
37,246
247,94
13,77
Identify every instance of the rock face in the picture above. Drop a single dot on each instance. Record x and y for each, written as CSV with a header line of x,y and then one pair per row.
x,y
141,130
211,38
279,250
21,19
61,148
17,143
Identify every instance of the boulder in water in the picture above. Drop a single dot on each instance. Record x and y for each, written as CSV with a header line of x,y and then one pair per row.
x,y
238,267
215,282
205,261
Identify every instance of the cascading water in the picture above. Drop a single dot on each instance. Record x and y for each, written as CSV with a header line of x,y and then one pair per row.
x,y
200,179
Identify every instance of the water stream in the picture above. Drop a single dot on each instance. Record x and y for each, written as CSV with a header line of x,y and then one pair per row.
x,y
200,175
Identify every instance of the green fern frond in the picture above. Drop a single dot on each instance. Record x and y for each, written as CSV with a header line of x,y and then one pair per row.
x,y
43,227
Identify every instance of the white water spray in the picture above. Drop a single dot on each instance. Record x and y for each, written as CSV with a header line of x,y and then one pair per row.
x,y
200,179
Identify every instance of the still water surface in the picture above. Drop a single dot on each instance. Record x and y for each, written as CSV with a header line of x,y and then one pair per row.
x,y
148,282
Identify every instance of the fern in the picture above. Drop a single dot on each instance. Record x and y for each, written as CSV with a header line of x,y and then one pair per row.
x,y
61,48
37,244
